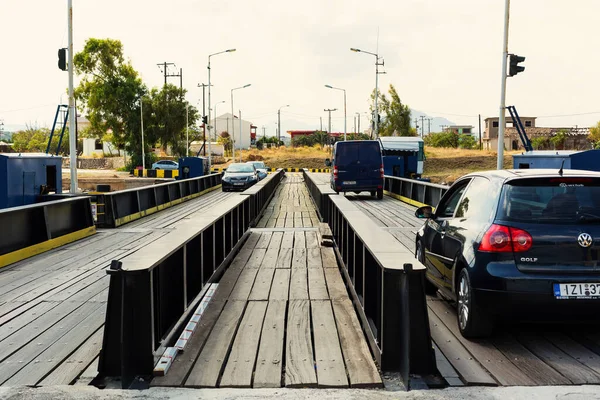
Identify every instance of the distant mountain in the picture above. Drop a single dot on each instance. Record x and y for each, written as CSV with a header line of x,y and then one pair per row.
x,y
436,122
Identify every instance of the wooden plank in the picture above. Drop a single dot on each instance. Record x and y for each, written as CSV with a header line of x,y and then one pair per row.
x,y
328,353
492,359
299,240
527,362
256,258
471,372
241,258
446,369
299,363
183,364
299,258
244,284
288,240
252,240
562,362
26,318
284,260
307,222
281,285
313,258
263,242
357,356
298,223
328,257
276,239
575,350
270,259
311,240
298,284
71,369
335,284
240,363
90,373
317,289
227,283
209,365
269,362
57,352
262,284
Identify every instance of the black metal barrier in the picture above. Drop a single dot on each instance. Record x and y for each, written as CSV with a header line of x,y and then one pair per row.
x,y
320,190
387,286
117,208
33,229
153,292
262,192
413,191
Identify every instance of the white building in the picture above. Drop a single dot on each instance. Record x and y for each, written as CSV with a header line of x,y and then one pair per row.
x,y
225,123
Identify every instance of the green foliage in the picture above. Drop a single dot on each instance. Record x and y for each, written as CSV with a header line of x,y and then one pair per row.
x,y
595,136
559,140
318,138
540,143
442,139
467,142
395,115
260,143
35,140
225,139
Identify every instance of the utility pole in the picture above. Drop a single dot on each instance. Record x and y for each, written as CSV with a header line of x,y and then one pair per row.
x,y
1,129
264,134
329,110
429,125
241,144
417,125
72,109
480,142
358,114
321,118
422,125
355,124
203,115
502,124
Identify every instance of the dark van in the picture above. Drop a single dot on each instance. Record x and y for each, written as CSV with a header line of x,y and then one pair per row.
x,y
357,167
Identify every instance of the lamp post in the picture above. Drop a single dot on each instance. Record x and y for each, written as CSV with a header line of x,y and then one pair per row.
x,y
377,64
279,123
209,136
331,87
358,114
502,120
142,123
216,115
233,123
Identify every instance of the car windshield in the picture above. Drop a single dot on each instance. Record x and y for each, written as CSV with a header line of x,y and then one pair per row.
x,y
258,164
240,168
551,200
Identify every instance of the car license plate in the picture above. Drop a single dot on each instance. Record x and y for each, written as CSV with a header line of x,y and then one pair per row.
x,y
239,184
349,183
577,291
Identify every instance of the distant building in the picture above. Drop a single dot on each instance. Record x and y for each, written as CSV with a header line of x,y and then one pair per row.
x,y
225,123
460,129
576,138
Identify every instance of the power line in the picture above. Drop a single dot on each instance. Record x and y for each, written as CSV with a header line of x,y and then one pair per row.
x,y
569,115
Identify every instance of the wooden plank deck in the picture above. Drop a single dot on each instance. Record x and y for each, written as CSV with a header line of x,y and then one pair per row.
x,y
52,305
514,356
279,325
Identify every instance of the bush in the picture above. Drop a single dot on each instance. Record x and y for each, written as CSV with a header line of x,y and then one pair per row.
x,y
467,142
442,139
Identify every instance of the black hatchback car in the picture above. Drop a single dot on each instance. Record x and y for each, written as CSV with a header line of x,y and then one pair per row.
x,y
239,176
515,244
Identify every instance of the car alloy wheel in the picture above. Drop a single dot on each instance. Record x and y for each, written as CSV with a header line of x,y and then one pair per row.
x,y
464,302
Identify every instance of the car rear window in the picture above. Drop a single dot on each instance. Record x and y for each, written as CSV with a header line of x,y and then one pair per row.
x,y
351,153
551,200
240,168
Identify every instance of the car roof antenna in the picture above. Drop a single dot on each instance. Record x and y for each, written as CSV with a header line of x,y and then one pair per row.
x,y
560,171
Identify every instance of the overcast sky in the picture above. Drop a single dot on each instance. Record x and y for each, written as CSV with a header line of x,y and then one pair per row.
x,y
443,57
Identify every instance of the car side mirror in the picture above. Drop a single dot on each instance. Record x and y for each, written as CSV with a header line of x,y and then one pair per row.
x,y
424,212
328,162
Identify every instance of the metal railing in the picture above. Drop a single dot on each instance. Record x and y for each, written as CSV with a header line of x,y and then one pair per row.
x,y
117,208
36,228
415,190
152,292
386,283
320,193
262,192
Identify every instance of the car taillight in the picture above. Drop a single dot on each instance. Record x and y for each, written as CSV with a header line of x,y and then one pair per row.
x,y
381,171
335,172
503,239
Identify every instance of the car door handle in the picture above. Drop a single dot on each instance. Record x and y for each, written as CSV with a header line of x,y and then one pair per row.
x,y
442,234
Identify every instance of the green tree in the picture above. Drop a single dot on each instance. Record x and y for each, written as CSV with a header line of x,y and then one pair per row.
x,y
35,140
442,139
225,139
395,115
559,139
467,142
595,135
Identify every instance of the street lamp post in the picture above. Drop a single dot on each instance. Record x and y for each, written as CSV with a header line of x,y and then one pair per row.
x,y
209,135
216,115
502,121
233,124
358,114
142,122
279,123
377,64
331,87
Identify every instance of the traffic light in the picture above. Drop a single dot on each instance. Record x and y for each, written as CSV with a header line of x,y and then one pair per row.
x,y
515,68
62,59
205,119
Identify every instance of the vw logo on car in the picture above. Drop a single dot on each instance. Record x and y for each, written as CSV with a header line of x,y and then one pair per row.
x,y
585,240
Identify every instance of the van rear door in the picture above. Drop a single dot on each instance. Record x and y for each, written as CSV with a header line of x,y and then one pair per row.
x,y
358,163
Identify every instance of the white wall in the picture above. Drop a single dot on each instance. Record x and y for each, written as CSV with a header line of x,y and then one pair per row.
x,y
89,148
224,123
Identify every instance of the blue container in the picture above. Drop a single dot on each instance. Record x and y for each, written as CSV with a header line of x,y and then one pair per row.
x,y
23,177
402,156
588,160
192,167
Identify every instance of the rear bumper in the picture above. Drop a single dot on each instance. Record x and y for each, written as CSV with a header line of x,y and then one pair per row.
x,y
368,186
505,291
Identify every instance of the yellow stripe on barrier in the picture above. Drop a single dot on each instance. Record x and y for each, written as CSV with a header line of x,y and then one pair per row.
x,y
150,211
407,200
160,173
27,252
289,169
